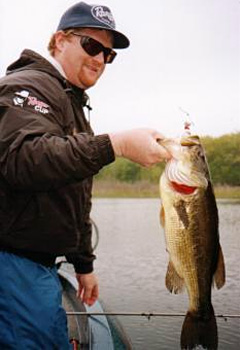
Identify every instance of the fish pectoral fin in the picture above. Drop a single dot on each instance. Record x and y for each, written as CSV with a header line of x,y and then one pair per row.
x,y
219,275
174,283
162,217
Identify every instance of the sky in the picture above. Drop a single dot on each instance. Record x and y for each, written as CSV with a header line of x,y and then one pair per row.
x,y
183,62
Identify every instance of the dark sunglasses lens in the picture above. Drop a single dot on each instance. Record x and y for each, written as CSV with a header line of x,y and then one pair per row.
x,y
109,56
93,48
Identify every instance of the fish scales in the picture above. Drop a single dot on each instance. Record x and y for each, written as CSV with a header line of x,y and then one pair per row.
x,y
190,220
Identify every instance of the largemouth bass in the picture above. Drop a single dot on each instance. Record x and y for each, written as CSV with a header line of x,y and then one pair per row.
x,y
190,219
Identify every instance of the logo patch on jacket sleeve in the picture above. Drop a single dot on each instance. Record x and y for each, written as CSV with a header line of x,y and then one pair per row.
x,y
23,98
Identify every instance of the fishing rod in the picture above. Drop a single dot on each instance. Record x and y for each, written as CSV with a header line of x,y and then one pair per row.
x,y
145,314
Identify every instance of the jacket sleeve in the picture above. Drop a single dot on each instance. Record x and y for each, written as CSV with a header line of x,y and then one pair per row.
x,y
36,155
83,259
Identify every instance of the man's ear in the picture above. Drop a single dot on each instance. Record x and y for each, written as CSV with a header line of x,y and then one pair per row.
x,y
60,40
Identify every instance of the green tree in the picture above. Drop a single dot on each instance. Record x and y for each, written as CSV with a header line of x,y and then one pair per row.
x,y
223,154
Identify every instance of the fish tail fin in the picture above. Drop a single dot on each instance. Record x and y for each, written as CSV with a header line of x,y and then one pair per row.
x,y
199,330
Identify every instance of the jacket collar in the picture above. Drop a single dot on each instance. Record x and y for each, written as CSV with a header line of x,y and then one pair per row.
x,y
31,60
56,64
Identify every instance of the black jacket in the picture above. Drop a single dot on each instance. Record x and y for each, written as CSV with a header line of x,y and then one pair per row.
x,y
48,155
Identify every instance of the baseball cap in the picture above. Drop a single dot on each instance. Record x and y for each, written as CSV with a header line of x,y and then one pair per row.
x,y
82,15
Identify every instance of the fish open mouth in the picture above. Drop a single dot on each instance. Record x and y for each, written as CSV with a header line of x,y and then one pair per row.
x,y
182,180
181,188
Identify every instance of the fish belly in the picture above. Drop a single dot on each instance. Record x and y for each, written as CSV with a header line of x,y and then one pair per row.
x,y
191,245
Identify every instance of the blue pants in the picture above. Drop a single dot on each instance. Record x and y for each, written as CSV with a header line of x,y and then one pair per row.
x,y
31,314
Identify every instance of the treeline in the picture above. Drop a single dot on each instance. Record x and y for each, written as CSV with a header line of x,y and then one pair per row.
x,y
223,154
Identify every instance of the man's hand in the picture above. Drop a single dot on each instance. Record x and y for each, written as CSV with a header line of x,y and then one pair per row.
x,y
140,146
87,288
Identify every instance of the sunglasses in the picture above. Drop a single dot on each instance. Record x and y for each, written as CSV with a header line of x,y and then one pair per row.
x,y
93,47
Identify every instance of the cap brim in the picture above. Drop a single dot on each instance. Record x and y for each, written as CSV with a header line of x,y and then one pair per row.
x,y
120,40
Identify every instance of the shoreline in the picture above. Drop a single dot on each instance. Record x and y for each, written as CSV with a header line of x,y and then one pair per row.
x,y
144,189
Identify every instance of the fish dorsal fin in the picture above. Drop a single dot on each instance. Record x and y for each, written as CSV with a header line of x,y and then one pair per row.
x,y
174,283
219,275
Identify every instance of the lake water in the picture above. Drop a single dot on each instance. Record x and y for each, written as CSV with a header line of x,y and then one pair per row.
x,y
131,267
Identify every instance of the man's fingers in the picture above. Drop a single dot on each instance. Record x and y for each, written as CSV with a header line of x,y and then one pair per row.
x,y
162,151
90,295
79,291
87,288
95,294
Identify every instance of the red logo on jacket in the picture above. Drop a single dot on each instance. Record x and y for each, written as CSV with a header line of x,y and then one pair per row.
x,y
23,97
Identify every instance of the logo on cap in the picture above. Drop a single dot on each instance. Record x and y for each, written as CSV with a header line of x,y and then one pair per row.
x,y
104,15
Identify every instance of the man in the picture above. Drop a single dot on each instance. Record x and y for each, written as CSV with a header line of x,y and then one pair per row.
x,y
48,156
